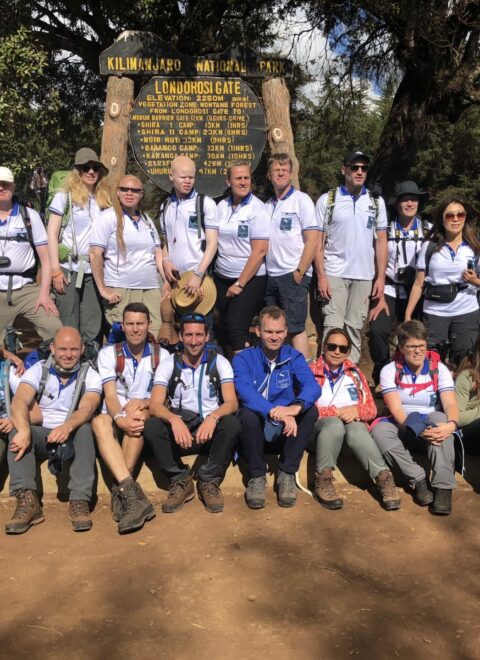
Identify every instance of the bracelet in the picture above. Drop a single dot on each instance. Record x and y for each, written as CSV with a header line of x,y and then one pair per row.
x,y
217,419
119,414
452,421
299,270
239,285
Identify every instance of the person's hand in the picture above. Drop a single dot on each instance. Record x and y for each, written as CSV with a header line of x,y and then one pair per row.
x,y
348,414
59,281
193,286
233,291
132,424
47,303
111,296
289,426
324,288
378,288
279,413
20,443
180,431
437,434
60,434
6,425
170,271
205,431
166,290
16,361
380,307
135,406
297,277
470,276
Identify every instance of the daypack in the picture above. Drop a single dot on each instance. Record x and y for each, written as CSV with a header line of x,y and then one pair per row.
x,y
433,362
120,363
211,371
331,198
5,394
199,210
56,185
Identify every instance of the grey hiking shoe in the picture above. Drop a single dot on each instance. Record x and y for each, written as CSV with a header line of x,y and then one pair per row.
x,y
422,494
138,509
286,489
388,492
27,512
442,501
116,504
255,493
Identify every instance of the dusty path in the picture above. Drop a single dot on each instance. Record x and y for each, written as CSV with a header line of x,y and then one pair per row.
x,y
304,583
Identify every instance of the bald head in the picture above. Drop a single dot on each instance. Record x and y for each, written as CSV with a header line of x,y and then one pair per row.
x,y
182,175
130,180
67,347
130,192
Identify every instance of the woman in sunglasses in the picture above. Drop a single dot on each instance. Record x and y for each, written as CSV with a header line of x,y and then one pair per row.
x,y
344,408
126,256
447,277
72,213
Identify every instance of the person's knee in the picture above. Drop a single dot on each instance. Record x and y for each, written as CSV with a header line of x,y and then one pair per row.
x,y
102,426
436,417
329,425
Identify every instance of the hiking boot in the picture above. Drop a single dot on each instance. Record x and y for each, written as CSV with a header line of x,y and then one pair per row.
x,y
79,513
422,495
442,501
116,504
286,489
137,508
179,493
27,512
388,492
255,493
325,490
210,494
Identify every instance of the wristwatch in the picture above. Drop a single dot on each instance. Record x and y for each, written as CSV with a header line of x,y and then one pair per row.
x,y
237,283
297,402
299,270
199,273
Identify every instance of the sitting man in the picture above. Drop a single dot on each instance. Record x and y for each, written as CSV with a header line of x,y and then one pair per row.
x,y
198,383
127,371
277,393
68,394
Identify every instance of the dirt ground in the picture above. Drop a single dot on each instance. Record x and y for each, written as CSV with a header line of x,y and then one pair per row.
x,y
301,583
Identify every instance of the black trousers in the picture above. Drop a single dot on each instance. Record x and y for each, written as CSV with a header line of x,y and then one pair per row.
x,y
168,454
380,332
291,449
236,314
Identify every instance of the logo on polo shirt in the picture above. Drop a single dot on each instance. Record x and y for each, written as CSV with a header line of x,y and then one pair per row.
x,y
286,223
242,231
352,391
193,222
370,221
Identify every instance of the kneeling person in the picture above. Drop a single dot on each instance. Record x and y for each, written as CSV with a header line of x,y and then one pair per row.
x,y
127,369
65,431
199,385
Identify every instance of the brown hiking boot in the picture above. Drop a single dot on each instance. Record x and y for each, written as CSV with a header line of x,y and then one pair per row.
x,y
210,494
325,490
180,492
387,490
117,504
137,508
79,512
27,512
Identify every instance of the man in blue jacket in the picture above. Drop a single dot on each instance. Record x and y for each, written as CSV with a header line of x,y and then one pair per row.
x,y
277,392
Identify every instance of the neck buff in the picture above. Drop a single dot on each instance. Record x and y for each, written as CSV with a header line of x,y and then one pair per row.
x,y
65,373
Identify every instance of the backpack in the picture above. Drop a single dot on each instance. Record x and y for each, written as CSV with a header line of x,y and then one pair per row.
x,y
211,371
56,185
433,362
30,272
331,198
5,394
199,210
120,363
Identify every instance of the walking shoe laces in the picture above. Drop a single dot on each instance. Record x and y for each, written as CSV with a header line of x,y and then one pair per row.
x,y
79,507
211,488
325,483
387,485
256,486
24,503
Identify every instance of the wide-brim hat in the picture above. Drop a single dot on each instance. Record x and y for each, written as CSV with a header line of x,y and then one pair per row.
x,y
356,156
86,155
408,188
186,304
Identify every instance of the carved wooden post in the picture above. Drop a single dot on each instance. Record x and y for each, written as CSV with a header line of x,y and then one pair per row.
x,y
118,108
276,100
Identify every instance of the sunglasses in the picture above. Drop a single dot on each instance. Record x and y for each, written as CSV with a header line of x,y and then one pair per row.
x,y
135,191
341,347
90,166
355,168
193,318
461,215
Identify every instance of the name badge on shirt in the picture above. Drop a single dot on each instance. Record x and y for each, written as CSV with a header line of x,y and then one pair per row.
x,y
282,379
285,223
212,392
193,222
352,392
370,221
242,231
433,399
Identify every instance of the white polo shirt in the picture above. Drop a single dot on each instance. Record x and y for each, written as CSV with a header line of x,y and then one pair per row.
x,y
137,269
186,393
249,221
20,252
403,249
56,398
340,393
349,250
446,267
180,226
138,374
290,216
76,234
425,401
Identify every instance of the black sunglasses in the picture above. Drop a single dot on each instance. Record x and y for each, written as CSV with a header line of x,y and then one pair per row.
x,y
125,189
341,347
89,166
193,318
355,168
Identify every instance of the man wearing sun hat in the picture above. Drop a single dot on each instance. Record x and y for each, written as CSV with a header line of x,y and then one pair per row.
x,y
352,252
23,242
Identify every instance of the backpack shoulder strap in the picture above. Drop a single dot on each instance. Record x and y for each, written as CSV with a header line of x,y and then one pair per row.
x,y
431,247
120,364
79,388
155,360
433,370
28,225
331,195
176,375
161,218
44,377
200,212
374,201
212,369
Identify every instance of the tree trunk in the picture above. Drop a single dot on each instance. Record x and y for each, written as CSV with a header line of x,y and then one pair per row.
x,y
276,99
118,108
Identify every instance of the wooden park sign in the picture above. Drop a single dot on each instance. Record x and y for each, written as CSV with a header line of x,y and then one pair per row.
x,y
197,106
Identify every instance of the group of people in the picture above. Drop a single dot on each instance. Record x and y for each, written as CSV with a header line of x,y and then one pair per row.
x,y
103,262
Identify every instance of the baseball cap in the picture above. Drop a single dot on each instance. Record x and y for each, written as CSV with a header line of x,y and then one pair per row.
x,y
6,175
354,156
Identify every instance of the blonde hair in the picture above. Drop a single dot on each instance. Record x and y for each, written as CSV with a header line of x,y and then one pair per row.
x,y
79,192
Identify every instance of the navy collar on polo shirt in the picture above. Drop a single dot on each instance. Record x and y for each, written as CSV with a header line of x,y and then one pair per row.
x,y
287,194
174,197
70,380
399,227
345,192
128,353
14,212
246,200
202,361
408,372
452,252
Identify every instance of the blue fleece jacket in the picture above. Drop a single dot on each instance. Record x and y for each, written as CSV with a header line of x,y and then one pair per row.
x,y
261,390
